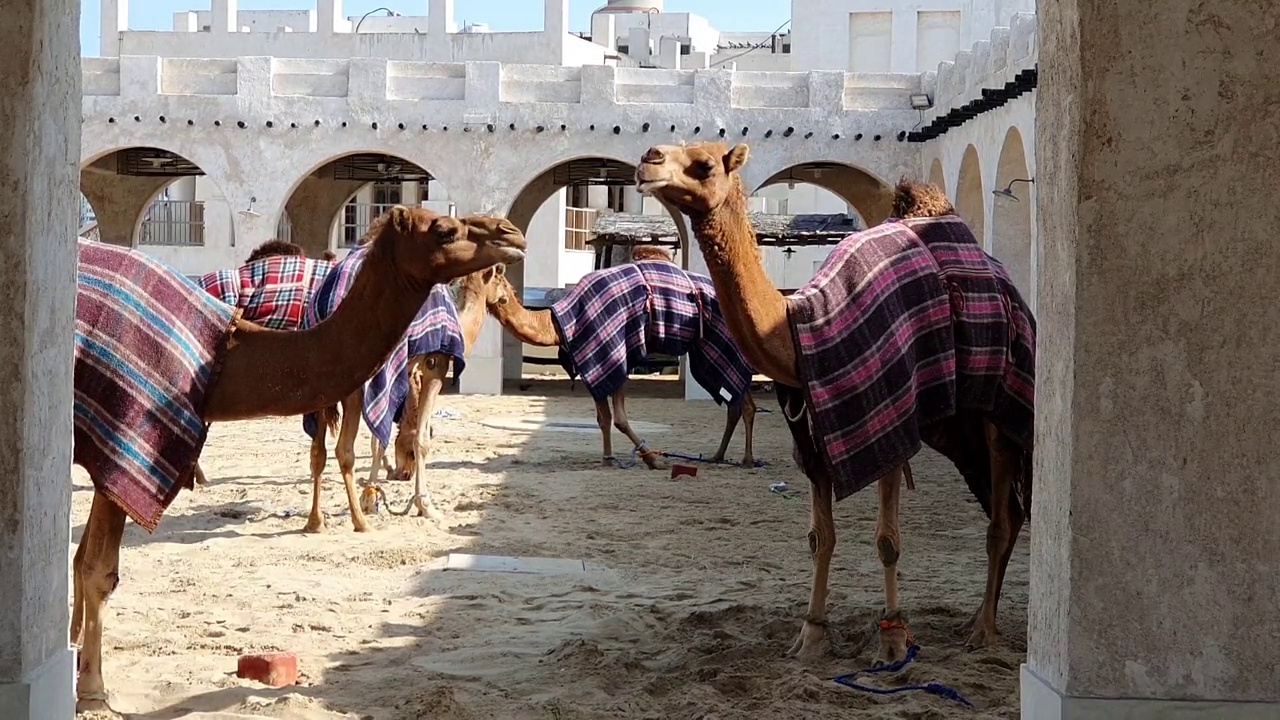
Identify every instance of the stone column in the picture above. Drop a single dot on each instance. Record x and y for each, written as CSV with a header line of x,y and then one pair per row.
x,y
1155,535
225,17
119,201
114,20
40,111
440,19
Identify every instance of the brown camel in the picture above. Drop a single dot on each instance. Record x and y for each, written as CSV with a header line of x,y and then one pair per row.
x,y
412,444
271,248
264,373
702,181
536,327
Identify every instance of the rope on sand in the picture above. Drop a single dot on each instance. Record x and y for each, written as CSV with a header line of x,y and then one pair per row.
x,y
643,449
933,688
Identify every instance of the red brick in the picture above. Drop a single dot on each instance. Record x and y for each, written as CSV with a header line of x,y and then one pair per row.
x,y
678,470
274,669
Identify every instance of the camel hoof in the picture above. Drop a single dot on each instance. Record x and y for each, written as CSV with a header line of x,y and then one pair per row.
x,y
313,526
654,462
748,462
967,626
893,647
984,635
94,703
812,643
607,462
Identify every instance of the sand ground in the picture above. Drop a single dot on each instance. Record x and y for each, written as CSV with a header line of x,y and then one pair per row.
x,y
692,593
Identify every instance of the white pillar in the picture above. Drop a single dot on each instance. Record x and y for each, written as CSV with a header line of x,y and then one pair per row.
x,y
114,20
329,19
483,375
1155,535
40,111
226,16
556,17
440,18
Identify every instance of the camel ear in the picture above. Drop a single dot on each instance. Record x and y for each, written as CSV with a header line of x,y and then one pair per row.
x,y
500,269
736,158
401,218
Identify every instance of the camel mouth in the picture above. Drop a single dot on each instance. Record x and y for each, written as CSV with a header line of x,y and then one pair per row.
x,y
648,187
510,254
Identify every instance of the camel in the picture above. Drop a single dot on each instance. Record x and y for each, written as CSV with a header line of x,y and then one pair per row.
x,y
727,376
781,338
439,325
209,365
239,287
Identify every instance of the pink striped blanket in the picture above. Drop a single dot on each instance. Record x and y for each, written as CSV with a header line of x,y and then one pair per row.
x,y
905,325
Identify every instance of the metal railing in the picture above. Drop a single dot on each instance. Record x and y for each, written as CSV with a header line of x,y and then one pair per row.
x,y
577,227
173,222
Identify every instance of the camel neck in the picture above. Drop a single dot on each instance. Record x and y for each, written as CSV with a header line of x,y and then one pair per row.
x,y
271,372
533,327
754,310
471,314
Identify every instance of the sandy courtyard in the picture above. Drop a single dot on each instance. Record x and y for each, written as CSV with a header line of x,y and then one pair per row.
x,y
692,592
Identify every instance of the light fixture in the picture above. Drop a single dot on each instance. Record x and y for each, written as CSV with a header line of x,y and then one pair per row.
x,y
1007,192
389,11
249,211
921,101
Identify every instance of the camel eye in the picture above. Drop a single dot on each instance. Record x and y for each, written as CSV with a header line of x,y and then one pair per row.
x,y
702,169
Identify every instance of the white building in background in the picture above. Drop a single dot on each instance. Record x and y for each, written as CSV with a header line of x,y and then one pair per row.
x,y
238,126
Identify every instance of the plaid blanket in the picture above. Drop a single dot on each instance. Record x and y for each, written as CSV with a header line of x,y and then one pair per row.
x,y
148,342
905,325
613,318
273,292
435,329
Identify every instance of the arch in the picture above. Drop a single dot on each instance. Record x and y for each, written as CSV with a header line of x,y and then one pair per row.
x,y
937,176
124,187
326,196
970,201
869,196
1011,228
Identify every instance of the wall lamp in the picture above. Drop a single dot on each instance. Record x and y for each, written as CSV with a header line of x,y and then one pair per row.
x,y
1007,192
921,101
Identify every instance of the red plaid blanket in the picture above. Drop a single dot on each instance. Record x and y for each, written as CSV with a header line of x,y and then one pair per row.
x,y
273,292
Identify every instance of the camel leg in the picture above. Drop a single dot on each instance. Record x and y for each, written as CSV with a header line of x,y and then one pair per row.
x,y
200,478
377,459
1002,533
650,456
98,571
749,428
315,521
345,449
895,638
822,544
604,418
434,381
733,414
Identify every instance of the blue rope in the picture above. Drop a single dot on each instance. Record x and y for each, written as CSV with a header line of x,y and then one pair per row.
x,y
699,458
631,461
933,688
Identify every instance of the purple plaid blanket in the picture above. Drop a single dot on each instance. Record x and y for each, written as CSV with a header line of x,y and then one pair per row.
x,y
904,325
435,329
148,340
273,292
613,318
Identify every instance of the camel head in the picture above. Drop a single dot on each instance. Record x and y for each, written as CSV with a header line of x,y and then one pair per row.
x,y
501,294
651,252
274,247
489,285
695,178
432,248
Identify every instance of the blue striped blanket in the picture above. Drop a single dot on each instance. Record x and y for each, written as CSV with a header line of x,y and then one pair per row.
x,y
148,341
614,318
435,329
905,325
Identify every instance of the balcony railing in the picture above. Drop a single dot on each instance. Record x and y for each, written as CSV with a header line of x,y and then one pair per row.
x,y
356,219
577,227
173,222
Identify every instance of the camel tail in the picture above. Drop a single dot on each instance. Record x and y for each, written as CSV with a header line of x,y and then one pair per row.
x,y
330,417
913,199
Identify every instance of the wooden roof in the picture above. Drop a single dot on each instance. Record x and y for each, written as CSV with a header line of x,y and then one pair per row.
x,y
771,229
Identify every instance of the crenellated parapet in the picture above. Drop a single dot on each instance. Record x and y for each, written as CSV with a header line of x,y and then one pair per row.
x,y
989,64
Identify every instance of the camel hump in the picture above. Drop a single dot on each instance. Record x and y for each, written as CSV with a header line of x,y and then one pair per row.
x,y
913,199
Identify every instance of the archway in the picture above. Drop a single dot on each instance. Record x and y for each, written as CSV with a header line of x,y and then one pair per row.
x,y
332,206
937,176
1011,229
969,197
817,188
556,209
149,196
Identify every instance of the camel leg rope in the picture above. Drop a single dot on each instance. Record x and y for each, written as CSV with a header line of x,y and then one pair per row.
x,y
643,449
933,688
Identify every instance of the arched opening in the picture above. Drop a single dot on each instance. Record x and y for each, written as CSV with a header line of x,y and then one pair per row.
x,y
969,196
937,176
332,206
153,198
820,188
87,225
557,210
1011,229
